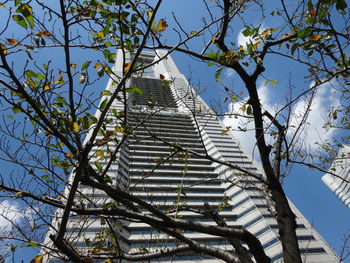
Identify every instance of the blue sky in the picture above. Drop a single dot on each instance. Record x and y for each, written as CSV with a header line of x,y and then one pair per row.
x,y
303,186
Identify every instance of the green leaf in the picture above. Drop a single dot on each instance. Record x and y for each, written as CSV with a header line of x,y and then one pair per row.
x,y
32,244
85,65
26,11
20,20
134,89
249,110
103,104
210,63
32,74
247,31
106,93
98,166
16,109
305,33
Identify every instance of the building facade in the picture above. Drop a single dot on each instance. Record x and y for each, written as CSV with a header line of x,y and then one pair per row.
x,y
172,127
339,184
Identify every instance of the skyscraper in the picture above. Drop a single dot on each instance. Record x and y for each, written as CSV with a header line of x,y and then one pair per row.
x,y
339,184
171,127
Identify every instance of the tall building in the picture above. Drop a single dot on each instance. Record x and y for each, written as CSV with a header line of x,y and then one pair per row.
x,y
176,180
338,178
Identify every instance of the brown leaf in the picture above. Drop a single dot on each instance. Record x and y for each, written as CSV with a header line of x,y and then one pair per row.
x,y
11,41
37,259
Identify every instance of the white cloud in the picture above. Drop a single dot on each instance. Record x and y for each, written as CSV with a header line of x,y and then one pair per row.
x,y
228,72
315,118
10,213
312,132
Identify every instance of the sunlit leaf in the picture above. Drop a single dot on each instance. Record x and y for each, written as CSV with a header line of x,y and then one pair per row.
x,y
69,155
106,93
73,66
47,87
33,244
20,20
97,65
75,127
127,66
161,26
315,37
108,260
99,153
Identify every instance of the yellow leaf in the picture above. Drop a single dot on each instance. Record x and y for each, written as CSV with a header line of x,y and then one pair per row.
x,y
37,259
75,127
3,49
47,87
69,155
315,37
100,34
265,32
11,41
127,66
240,48
97,65
2,5
108,260
99,153
73,65
162,25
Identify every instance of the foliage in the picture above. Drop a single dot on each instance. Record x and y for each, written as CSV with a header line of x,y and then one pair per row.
x,y
50,106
